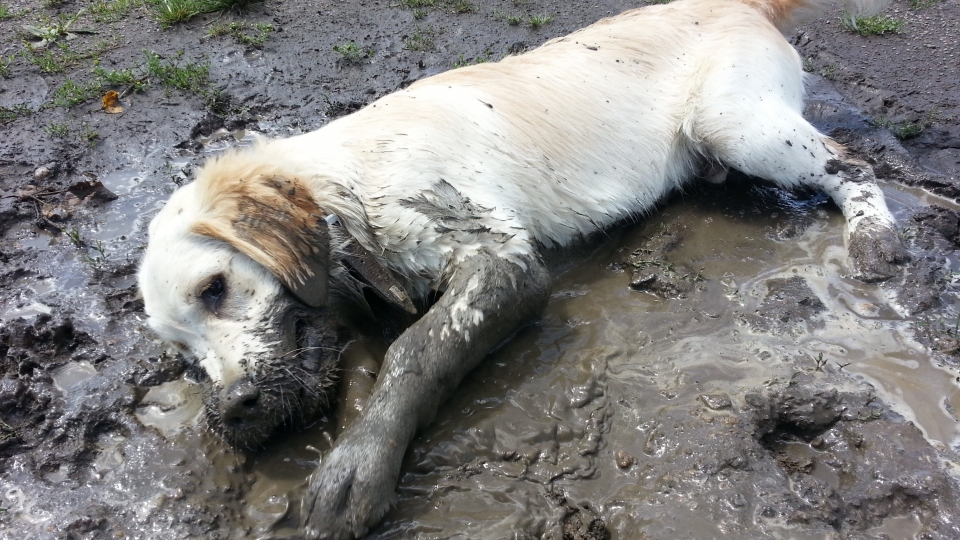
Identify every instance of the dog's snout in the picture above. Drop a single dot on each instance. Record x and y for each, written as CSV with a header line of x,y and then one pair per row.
x,y
240,403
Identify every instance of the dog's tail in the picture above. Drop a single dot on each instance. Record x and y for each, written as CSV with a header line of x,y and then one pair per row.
x,y
788,14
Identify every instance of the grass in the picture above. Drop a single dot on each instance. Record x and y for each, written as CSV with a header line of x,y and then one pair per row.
x,y
462,61
186,76
873,26
116,77
906,129
52,30
171,12
350,53
5,64
90,137
421,40
47,62
462,6
536,21
9,114
70,93
421,7
5,12
189,77
58,59
110,11
59,131
255,34
920,4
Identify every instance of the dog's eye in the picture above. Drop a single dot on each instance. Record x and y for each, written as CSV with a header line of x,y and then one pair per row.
x,y
212,295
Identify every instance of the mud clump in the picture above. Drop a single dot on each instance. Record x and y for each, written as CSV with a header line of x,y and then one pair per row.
x,y
789,306
850,465
651,272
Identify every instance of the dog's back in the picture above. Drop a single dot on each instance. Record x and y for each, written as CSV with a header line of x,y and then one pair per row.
x,y
586,131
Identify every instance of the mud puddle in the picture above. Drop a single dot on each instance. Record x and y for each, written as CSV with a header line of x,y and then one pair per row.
x,y
628,410
588,413
708,373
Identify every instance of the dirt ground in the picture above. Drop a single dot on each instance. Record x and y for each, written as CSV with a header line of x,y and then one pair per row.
x,y
754,392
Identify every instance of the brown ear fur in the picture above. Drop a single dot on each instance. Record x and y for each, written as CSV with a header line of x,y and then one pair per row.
x,y
274,221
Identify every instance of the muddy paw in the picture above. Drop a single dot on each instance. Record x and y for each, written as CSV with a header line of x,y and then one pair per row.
x,y
350,491
876,253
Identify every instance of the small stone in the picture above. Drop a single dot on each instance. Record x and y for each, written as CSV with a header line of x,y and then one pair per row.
x,y
44,171
624,460
716,401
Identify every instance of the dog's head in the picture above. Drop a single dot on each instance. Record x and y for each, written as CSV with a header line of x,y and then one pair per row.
x,y
235,277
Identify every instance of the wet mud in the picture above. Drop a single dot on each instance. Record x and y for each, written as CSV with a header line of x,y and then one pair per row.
x,y
710,371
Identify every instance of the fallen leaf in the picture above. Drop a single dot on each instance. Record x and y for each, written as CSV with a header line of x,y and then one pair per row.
x,y
111,102
91,190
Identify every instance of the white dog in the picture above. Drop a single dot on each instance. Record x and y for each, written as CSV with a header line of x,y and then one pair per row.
x,y
454,186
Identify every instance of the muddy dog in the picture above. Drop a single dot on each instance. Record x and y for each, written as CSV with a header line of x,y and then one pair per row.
x,y
449,190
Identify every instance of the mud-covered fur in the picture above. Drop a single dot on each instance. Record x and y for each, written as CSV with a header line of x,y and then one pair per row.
x,y
452,188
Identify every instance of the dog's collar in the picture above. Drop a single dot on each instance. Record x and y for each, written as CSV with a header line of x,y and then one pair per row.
x,y
332,220
362,266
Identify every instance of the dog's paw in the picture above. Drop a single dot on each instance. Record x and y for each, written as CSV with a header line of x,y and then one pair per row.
x,y
350,491
876,252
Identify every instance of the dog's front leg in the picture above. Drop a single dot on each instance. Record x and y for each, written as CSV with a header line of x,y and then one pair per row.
x,y
488,299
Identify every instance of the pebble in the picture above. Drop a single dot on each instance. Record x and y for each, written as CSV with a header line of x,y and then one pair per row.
x,y
716,401
624,460
44,171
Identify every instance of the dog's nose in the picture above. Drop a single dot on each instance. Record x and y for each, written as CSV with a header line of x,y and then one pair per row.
x,y
240,403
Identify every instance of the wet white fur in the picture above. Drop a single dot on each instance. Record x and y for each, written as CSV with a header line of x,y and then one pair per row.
x,y
578,135
176,268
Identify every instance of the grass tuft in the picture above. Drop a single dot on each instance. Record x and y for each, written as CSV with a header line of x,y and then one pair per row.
x,y
350,53
872,26
70,93
255,34
110,11
536,21
189,77
5,63
463,61
9,114
421,40
59,131
903,130
171,12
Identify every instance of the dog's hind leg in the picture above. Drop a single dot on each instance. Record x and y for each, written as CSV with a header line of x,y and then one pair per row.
x,y
776,143
488,299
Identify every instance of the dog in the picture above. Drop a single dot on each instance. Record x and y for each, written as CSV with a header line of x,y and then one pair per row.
x,y
435,204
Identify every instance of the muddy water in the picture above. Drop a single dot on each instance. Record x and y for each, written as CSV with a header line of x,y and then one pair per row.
x,y
602,379
589,406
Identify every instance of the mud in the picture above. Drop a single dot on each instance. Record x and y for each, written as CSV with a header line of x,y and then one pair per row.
x,y
711,371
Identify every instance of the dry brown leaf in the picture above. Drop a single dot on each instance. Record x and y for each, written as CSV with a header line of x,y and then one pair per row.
x,y
111,102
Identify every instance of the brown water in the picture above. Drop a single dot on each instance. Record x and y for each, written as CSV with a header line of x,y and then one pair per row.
x,y
607,369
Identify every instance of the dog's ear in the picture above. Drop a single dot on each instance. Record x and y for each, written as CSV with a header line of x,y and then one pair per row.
x,y
277,223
